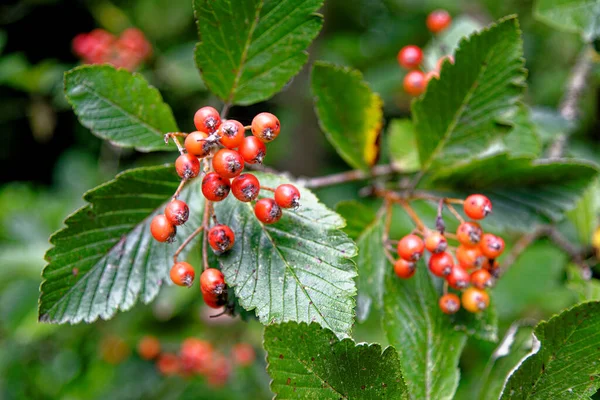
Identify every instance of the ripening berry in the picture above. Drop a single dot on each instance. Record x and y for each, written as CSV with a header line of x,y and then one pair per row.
x,y
177,212
440,62
182,274
267,211
410,56
215,187
245,187
168,364
148,347
265,126
197,145
404,269
411,247
243,354
212,281
196,355
415,83
477,206
438,20
214,301
449,303
469,257
469,233
221,238
441,264
475,300
162,230
252,150
482,279
231,133
491,246
207,119
228,163
459,278
435,242
187,166
287,196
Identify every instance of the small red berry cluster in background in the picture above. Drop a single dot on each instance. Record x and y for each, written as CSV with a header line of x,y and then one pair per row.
x,y
99,46
475,267
224,149
410,57
196,357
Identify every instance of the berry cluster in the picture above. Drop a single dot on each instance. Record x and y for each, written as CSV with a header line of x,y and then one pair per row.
x,y
475,267
228,148
99,46
196,357
411,56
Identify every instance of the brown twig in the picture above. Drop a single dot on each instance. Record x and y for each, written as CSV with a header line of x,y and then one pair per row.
x,y
386,209
180,188
225,110
348,176
175,136
186,242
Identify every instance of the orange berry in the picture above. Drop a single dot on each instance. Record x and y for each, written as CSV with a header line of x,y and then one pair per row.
x,y
475,300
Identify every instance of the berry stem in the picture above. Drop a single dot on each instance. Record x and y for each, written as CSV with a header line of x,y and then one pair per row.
x,y
225,110
175,136
445,287
348,176
207,208
247,127
387,210
455,213
413,215
179,188
268,189
439,221
186,242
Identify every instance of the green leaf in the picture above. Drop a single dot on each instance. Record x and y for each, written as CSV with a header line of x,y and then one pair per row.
x,y
106,259
299,269
580,16
586,289
357,215
249,49
119,106
458,116
583,216
522,140
352,122
371,262
307,361
403,145
566,366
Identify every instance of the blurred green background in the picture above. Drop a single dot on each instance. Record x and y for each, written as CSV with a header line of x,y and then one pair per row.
x,y
48,160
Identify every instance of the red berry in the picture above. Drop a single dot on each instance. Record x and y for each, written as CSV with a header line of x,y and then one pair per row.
x,y
252,150
414,83
214,301
411,247
404,269
441,264
245,187
228,163
231,133
287,196
221,238
435,242
187,166
196,144
196,355
482,279
459,278
134,41
212,281
219,373
477,206
469,257
438,20
267,211
265,126
148,347
168,364
491,246
449,303
207,119
162,230
243,354
492,266
475,300
182,274
469,233
410,56
177,212
215,187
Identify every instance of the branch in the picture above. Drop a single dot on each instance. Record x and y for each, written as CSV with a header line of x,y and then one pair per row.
x,y
348,176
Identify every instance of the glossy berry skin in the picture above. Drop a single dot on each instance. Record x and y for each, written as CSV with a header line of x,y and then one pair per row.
x,y
477,206
177,212
252,150
469,233
469,257
243,354
245,187
182,274
449,303
435,242
197,145
148,347
459,278
491,246
482,279
221,238
212,281
414,83
267,211
287,196
404,269
162,230
441,264
207,119
228,163
438,20
215,187
265,126
168,364
410,57
411,247
231,133
475,300
187,166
